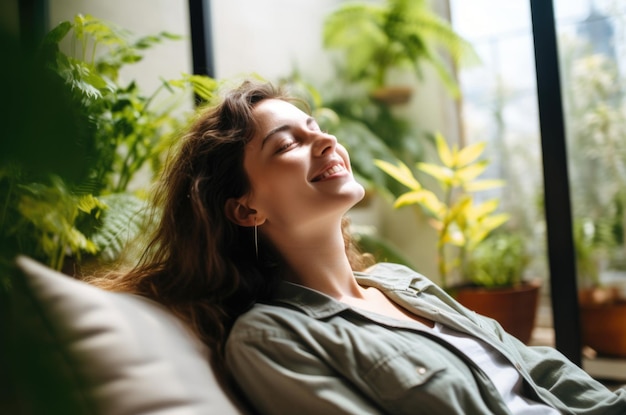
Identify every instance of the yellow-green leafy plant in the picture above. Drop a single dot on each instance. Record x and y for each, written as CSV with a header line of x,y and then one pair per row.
x,y
461,220
52,211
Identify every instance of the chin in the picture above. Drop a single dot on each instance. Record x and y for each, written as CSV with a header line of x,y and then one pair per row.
x,y
358,192
361,192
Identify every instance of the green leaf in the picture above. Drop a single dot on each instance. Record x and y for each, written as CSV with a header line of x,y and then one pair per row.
x,y
122,223
170,36
479,185
443,174
470,153
204,86
425,198
52,210
79,24
483,227
102,32
401,173
89,203
458,212
361,40
467,174
57,33
443,150
485,208
492,222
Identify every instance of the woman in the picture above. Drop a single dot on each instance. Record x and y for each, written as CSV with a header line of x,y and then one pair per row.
x,y
252,245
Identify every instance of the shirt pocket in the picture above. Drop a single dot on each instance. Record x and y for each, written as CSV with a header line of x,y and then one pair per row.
x,y
393,376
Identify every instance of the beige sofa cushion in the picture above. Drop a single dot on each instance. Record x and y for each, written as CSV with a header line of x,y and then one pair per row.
x,y
115,353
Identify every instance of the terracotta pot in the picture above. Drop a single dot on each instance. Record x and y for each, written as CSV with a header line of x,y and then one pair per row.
x,y
603,322
515,308
393,95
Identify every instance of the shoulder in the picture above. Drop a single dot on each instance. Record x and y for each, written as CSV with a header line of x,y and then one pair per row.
x,y
394,276
266,321
389,268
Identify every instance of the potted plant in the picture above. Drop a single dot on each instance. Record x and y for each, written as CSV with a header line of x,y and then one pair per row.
x,y
465,245
112,133
602,306
597,117
496,286
395,34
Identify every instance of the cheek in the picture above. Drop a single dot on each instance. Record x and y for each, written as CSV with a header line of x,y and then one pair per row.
x,y
273,181
343,153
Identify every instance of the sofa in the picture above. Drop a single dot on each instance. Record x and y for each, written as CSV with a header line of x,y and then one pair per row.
x,y
73,348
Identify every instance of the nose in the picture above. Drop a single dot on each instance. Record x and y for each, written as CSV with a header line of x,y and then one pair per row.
x,y
323,143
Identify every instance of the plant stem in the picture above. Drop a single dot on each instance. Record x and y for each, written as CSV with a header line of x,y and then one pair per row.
x,y
73,46
126,172
56,261
128,166
93,53
441,245
151,97
83,43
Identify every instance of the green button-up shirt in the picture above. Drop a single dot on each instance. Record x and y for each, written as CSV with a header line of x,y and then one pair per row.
x,y
306,352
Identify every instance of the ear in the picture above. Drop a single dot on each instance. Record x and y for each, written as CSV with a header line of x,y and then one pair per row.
x,y
239,213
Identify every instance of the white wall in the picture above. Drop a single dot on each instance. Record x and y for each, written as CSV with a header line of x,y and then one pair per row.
x,y
271,38
142,17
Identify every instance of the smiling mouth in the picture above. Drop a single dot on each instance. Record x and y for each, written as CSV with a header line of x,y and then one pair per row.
x,y
333,170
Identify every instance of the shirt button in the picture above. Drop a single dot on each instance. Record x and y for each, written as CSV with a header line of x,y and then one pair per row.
x,y
518,366
421,370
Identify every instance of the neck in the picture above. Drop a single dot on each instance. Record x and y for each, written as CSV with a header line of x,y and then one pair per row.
x,y
317,259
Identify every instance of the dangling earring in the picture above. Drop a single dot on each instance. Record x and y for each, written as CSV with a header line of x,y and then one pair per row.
x,y
256,240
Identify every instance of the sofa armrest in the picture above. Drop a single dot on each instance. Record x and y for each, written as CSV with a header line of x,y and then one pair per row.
x,y
108,353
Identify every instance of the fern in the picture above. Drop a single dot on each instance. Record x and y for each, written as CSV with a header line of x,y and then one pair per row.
x,y
122,222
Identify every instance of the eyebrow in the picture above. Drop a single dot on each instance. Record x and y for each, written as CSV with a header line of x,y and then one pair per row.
x,y
282,128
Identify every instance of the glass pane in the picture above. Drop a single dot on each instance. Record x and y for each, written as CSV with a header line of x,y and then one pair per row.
x,y
499,106
592,52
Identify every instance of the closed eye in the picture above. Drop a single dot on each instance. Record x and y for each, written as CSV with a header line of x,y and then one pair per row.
x,y
284,146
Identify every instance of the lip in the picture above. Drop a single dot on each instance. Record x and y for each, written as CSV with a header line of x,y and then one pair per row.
x,y
317,176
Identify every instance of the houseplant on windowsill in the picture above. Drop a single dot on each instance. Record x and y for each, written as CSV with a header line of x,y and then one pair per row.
x,y
376,38
602,305
596,122
466,244
496,286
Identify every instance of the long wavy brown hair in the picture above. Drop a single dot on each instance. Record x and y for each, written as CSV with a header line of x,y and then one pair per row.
x,y
198,263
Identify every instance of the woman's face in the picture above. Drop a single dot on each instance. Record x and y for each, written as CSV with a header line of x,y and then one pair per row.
x,y
299,175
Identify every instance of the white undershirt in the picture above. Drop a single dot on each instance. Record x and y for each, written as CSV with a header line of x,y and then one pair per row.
x,y
504,376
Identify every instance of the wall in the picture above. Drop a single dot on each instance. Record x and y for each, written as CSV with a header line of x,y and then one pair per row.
x,y
271,38
142,17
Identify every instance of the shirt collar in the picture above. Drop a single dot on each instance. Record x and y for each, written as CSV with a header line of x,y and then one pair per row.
x,y
319,305
312,302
